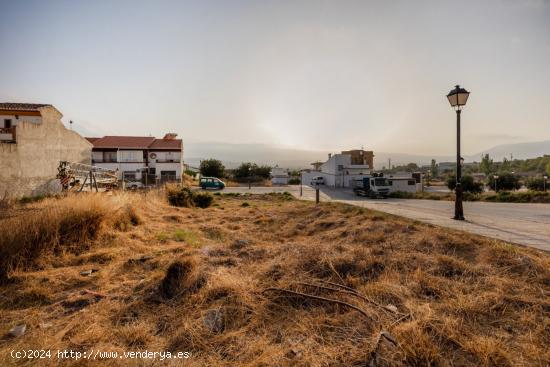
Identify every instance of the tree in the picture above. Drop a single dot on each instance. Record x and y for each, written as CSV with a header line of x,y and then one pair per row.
x,y
434,170
263,172
505,181
412,167
535,184
486,165
252,170
468,184
245,170
505,166
212,168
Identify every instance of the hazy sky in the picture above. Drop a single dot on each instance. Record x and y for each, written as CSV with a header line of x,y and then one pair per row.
x,y
306,74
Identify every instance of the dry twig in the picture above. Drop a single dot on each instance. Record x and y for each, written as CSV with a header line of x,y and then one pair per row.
x,y
361,311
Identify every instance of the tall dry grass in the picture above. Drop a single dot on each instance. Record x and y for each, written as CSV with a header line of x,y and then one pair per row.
x,y
59,225
275,283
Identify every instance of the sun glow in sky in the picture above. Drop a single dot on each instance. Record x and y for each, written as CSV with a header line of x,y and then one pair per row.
x,y
304,74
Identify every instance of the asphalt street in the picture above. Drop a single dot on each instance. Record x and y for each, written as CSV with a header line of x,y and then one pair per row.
x,y
524,224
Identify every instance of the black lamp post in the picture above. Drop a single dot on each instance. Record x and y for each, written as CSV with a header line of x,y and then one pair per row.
x,y
457,98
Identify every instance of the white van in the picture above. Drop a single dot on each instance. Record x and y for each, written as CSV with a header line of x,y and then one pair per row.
x,y
317,180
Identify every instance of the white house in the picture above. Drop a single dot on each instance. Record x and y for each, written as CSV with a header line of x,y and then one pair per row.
x,y
279,176
138,158
341,169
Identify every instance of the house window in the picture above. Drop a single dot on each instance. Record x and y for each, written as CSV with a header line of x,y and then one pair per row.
x,y
129,175
411,182
152,171
168,176
7,123
109,156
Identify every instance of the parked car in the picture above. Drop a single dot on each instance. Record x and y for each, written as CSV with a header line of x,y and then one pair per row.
x,y
211,183
317,180
134,185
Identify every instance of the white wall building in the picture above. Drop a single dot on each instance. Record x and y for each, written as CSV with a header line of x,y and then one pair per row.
x,y
279,176
338,171
136,158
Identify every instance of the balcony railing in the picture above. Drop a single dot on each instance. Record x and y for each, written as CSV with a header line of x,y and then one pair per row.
x,y
7,135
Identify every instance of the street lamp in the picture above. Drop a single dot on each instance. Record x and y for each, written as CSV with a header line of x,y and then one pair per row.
x,y
544,178
495,177
249,178
457,98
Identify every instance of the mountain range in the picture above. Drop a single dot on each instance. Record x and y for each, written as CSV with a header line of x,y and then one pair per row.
x,y
233,154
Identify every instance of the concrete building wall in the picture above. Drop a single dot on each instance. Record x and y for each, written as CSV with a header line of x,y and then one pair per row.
x,y
29,167
163,167
163,156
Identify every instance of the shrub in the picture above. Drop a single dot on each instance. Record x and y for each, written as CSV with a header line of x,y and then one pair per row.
x,y
536,184
202,199
185,197
294,181
179,196
468,184
505,181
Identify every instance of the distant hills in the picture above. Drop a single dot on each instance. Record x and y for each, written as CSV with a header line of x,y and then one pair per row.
x,y
233,154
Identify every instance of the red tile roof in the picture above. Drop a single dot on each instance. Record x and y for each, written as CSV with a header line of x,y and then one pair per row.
x,y
135,142
166,144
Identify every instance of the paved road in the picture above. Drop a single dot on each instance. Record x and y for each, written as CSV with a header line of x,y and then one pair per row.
x,y
525,224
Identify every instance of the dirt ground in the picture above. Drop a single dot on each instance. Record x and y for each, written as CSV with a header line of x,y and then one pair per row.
x,y
267,280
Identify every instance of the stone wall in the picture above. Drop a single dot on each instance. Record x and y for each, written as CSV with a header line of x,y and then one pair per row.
x,y
29,167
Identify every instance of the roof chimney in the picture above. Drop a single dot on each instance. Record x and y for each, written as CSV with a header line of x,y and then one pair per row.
x,y
329,155
170,136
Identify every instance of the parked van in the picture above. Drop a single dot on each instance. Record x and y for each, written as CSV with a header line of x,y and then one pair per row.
x,y
317,180
211,183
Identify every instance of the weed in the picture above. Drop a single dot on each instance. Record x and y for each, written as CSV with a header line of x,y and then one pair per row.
x,y
189,237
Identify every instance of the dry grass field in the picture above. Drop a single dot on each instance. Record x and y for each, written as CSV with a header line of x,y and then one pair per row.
x,y
264,280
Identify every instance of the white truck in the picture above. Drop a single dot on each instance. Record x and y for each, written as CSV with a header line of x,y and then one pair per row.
x,y
375,186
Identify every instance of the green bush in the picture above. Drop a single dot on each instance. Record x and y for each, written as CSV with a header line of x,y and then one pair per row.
x,y
185,197
468,184
505,181
536,184
202,199
294,181
180,196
